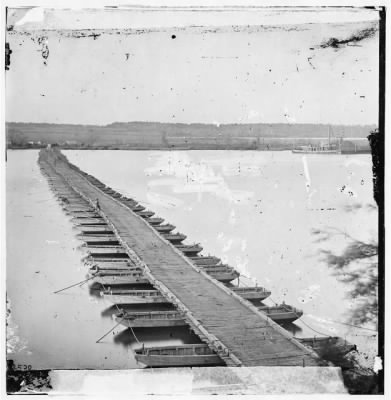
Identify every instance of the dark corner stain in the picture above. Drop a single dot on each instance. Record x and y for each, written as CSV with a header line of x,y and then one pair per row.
x,y
360,381
377,149
173,36
354,39
8,53
26,380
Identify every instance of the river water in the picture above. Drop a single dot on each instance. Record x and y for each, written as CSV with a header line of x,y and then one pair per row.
x,y
277,217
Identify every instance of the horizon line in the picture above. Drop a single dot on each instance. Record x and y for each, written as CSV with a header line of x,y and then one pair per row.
x,y
217,125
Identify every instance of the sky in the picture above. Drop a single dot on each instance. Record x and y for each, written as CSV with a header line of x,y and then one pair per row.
x,y
207,66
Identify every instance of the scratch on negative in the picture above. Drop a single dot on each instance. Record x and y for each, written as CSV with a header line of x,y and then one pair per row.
x,y
307,174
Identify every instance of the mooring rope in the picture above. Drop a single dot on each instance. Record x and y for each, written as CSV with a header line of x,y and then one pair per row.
x,y
109,331
354,326
301,320
83,283
320,333
272,300
76,284
134,334
123,318
127,322
337,322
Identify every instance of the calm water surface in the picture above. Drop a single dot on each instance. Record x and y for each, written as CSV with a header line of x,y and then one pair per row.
x,y
271,215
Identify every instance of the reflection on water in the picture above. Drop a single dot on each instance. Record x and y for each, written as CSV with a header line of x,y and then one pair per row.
x,y
258,211
296,330
114,309
155,337
96,290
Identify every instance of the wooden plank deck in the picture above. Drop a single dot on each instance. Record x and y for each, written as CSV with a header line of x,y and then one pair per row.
x,y
211,308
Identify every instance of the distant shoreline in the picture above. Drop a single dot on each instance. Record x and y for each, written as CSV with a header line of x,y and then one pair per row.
x,y
168,136
361,150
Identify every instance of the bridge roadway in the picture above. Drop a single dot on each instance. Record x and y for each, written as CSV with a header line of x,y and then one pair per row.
x,y
249,335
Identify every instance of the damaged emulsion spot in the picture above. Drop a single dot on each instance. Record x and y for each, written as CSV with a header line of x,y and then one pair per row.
x,y
355,38
309,62
79,35
43,41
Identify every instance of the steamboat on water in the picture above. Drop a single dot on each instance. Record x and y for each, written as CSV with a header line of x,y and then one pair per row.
x,y
323,148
